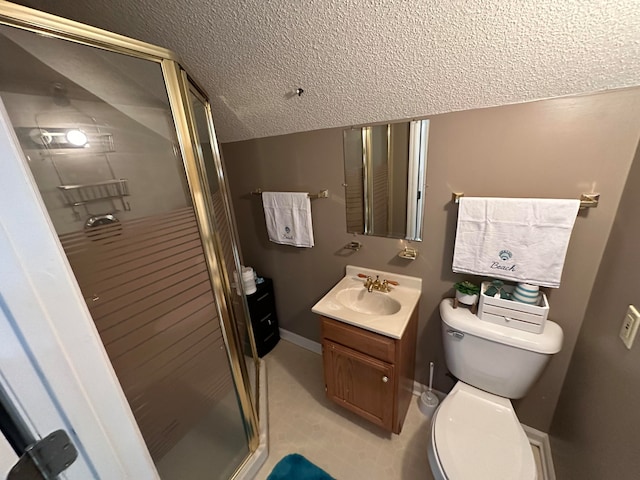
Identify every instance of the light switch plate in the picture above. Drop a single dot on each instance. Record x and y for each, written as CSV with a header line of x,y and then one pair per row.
x,y
630,326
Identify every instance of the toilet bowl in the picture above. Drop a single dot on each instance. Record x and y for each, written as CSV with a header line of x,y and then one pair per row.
x,y
476,435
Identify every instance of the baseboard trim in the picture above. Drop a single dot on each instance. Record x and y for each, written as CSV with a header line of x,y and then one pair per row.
x,y
541,440
301,341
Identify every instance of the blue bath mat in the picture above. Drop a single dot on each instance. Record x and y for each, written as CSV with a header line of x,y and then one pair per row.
x,y
296,467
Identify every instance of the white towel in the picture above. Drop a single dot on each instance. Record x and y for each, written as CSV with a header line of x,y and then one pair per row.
x,y
288,217
520,239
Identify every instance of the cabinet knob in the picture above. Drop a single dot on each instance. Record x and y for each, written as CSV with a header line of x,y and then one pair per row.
x,y
385,379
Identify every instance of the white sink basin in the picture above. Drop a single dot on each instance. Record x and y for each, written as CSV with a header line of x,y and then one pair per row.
x,y
385,313
370,303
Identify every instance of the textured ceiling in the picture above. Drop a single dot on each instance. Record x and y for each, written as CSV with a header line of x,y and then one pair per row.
x,y
368,61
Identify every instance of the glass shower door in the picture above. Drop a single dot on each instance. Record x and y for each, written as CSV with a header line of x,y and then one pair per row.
x,y
98,132
229,255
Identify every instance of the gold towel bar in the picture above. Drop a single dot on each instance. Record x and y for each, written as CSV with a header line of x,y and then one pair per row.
x,y
587,200
320,194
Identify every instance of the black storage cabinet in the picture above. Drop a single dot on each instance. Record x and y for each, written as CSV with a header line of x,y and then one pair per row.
x,y
264,320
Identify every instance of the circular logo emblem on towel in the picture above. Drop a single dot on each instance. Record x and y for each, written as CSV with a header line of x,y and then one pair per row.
x,y
287,234
505,255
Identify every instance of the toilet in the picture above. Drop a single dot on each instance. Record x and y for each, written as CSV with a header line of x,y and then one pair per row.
x,y
475,433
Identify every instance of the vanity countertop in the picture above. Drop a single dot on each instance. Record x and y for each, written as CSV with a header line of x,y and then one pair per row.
x,y
399,302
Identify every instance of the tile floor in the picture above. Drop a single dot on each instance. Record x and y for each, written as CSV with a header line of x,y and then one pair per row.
x,y
302,420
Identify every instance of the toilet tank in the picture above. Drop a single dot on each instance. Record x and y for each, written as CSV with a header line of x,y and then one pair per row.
x,y
498,359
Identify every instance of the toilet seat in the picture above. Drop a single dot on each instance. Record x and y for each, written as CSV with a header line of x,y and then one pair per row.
x,y
476,435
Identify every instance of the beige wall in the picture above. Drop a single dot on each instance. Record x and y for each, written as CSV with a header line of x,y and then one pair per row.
x,y
595,431
553,148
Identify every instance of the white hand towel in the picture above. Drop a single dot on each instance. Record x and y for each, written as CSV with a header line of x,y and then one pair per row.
x,y
288,218
520,239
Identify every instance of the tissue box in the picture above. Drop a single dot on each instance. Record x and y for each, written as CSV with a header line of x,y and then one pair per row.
x,y
510,313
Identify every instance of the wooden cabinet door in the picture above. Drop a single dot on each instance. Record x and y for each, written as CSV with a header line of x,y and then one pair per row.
x,y
359,383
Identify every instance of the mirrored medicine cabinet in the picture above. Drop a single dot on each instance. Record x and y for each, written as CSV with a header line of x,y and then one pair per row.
x,y
385,170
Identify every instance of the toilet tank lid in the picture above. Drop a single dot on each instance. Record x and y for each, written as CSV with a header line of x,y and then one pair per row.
x,y
549,341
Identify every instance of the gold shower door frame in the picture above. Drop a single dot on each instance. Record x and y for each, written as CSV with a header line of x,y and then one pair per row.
x,y
177,85
220,275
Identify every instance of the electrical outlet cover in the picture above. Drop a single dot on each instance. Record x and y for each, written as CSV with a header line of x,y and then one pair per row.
x,y
630,326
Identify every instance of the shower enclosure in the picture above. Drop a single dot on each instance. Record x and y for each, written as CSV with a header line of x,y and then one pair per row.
x,y
121,145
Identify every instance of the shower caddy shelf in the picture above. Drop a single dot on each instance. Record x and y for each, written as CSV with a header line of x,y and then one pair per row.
x,y
104,141
81,195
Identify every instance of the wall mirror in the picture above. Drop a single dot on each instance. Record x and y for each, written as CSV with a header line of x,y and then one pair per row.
x,y
384,169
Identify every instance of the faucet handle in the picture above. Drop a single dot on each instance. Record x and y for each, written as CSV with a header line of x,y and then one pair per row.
x,y
392,282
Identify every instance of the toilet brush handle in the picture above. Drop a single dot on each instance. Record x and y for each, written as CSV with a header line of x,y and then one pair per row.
x,y
430,375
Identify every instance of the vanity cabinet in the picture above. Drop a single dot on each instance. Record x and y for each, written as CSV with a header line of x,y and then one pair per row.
x,y
368,373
